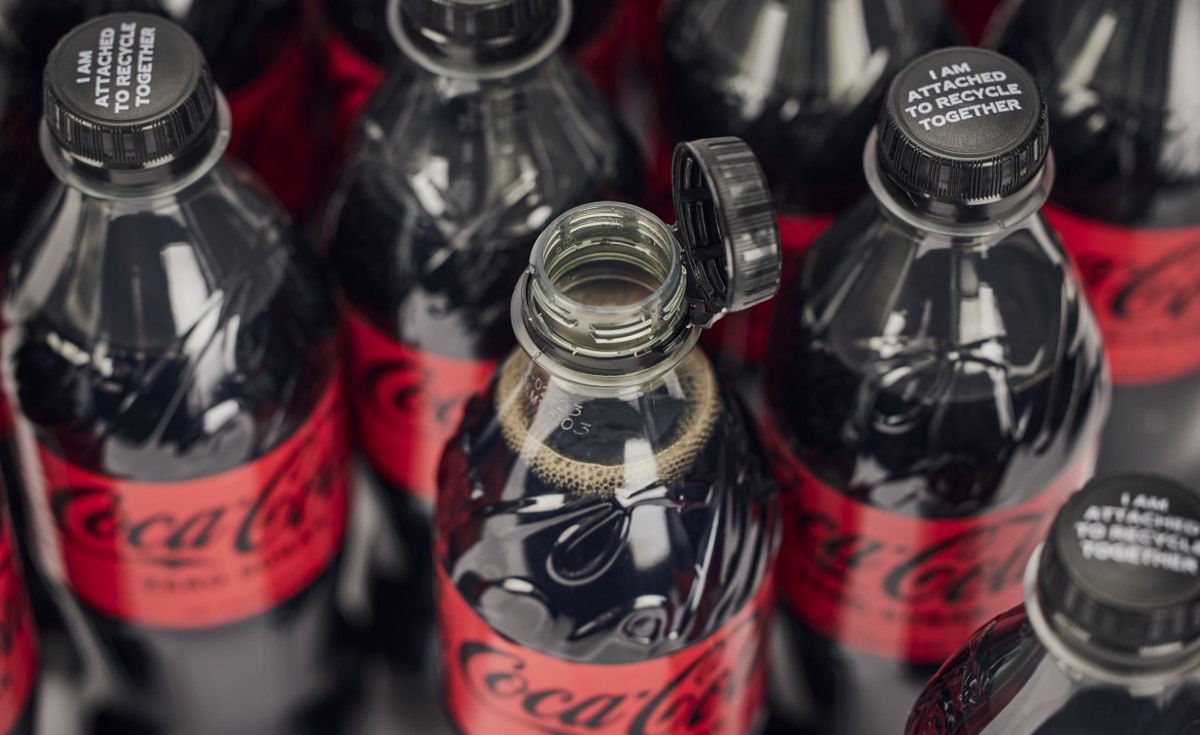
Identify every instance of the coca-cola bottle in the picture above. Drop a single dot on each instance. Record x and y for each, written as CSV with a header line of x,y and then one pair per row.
x,y
359,46
476,142
1121,87
170,353
936,387
801,81
606,525
1108,640
18,650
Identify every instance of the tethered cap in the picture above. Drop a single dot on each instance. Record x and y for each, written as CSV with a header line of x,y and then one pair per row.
x,y
963,126
727,226
129,91
1121,565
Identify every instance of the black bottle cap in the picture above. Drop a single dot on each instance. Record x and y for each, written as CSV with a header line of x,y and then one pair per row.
x,y
727,226
129,91
479,30
1121,566
963,126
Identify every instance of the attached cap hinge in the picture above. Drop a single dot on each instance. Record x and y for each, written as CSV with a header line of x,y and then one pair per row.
x,y
727,227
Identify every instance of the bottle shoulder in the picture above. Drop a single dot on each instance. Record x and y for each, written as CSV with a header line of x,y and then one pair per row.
x,y
935,377
1003,681
800,82
1125,125
168,338
644,524
497,160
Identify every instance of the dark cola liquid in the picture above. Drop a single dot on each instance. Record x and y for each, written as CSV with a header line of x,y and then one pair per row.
x,y
805,127
1006,682
186,390
612,578
926,425
1126,141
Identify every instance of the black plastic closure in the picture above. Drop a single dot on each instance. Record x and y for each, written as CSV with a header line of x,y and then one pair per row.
x,y
129,91
478,31
727,227
1122,565
963,126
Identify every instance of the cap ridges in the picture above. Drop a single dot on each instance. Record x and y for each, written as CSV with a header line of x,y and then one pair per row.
x,y
129,91
727,225
1121,566
963,126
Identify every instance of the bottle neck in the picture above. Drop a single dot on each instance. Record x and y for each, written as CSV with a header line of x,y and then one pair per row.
x,y
484,61
972,220
1144,673
151,182
604,301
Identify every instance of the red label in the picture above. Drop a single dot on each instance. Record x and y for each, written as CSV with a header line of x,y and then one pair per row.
x,y
273,130
1144,286
744,335
211,551
899,587
407,403
492,685
18,655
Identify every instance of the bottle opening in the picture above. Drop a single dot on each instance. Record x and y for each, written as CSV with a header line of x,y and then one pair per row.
x,y
607,282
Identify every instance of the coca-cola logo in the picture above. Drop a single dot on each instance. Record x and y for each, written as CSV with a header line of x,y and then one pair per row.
x,y
700,690
405,391
1166,289
978,562
190,532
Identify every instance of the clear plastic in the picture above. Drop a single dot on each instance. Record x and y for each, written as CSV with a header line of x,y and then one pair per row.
x,y
1004,681
935,371
167,335
607,516
800,81
1120,81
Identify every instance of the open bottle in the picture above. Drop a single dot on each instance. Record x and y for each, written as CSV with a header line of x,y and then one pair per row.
x,y
605,521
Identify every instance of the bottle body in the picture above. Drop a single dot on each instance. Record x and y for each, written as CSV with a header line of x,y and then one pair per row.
x,y
172,363
449,186
801,83
359,50
933,399
1005,681
639,531
1127,142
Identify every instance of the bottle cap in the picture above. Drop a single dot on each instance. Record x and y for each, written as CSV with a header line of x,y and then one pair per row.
x,y
129,91
963,126
727,227
478,30
1121,567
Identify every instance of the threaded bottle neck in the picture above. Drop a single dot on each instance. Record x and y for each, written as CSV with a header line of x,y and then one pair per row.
x,y
605,292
